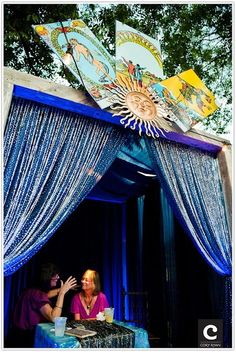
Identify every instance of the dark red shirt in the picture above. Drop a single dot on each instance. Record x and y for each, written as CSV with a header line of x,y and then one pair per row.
x,y
27,311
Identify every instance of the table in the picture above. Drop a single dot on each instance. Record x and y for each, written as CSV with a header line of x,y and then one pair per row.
x,y
115,335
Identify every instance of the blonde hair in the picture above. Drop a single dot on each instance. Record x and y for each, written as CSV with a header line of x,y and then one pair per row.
x,y
96,280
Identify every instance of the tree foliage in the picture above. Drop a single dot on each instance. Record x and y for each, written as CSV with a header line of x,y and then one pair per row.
x,y
197,36
23,49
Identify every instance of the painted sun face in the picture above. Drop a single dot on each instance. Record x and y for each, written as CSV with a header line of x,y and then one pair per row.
x,y
141,105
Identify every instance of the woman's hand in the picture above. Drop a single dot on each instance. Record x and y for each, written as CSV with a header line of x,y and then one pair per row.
x,y
69,284
50,313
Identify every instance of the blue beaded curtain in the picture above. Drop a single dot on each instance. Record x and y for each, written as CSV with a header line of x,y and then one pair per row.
x,y
191,180
52,160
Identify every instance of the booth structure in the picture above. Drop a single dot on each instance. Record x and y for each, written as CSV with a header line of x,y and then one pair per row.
x,y
61,150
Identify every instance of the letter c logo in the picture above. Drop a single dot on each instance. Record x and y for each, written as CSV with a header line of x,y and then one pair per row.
x,y
205,332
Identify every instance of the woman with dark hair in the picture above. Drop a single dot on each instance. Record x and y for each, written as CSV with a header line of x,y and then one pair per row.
x,y
90,301
34,305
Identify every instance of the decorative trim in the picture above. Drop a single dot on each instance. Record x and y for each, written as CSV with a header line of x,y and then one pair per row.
x,y
85,110
64,104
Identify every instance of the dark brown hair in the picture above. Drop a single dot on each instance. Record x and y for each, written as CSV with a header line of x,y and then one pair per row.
x,y
48,270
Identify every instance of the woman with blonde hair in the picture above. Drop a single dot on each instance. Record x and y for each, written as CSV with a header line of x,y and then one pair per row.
x,y
90,301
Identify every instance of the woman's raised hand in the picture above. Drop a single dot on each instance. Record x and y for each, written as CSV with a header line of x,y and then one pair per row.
x,y
69,284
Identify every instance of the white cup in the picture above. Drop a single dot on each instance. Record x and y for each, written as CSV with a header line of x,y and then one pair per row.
x,y
109,314
60,325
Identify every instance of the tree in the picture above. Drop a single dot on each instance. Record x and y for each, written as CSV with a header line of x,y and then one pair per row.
x,y
23,49
197,36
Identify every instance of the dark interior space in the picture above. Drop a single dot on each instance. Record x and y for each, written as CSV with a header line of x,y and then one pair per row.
x,y
181,286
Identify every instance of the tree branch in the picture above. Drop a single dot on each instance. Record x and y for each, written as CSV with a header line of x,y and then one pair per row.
x,y
22,41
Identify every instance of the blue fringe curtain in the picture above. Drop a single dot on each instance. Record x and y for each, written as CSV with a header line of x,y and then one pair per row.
x,y
191,179
192,183
52,160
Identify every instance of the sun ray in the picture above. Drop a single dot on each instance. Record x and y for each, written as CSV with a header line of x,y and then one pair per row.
x,y
122,121
143,90
121,91
119,80
140,127
121,95
118,108
156,131
129,85
128,116
150,129
120,113
146,129
119,99
159,128
135,124
130,120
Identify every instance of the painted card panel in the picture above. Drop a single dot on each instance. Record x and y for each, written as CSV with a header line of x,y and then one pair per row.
x,y
188,98
138,56
96,66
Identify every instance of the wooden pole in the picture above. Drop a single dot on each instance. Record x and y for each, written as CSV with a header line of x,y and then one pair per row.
x,y
225,164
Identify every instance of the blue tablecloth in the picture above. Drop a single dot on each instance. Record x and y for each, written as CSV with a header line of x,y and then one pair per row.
x,y
141,335
45,337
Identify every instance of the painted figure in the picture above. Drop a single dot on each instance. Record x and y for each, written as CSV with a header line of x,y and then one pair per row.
x,y
131,68
81,49
188,91
139,74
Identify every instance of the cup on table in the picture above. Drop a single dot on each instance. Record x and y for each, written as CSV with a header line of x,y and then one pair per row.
x,y
60,325
109,314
